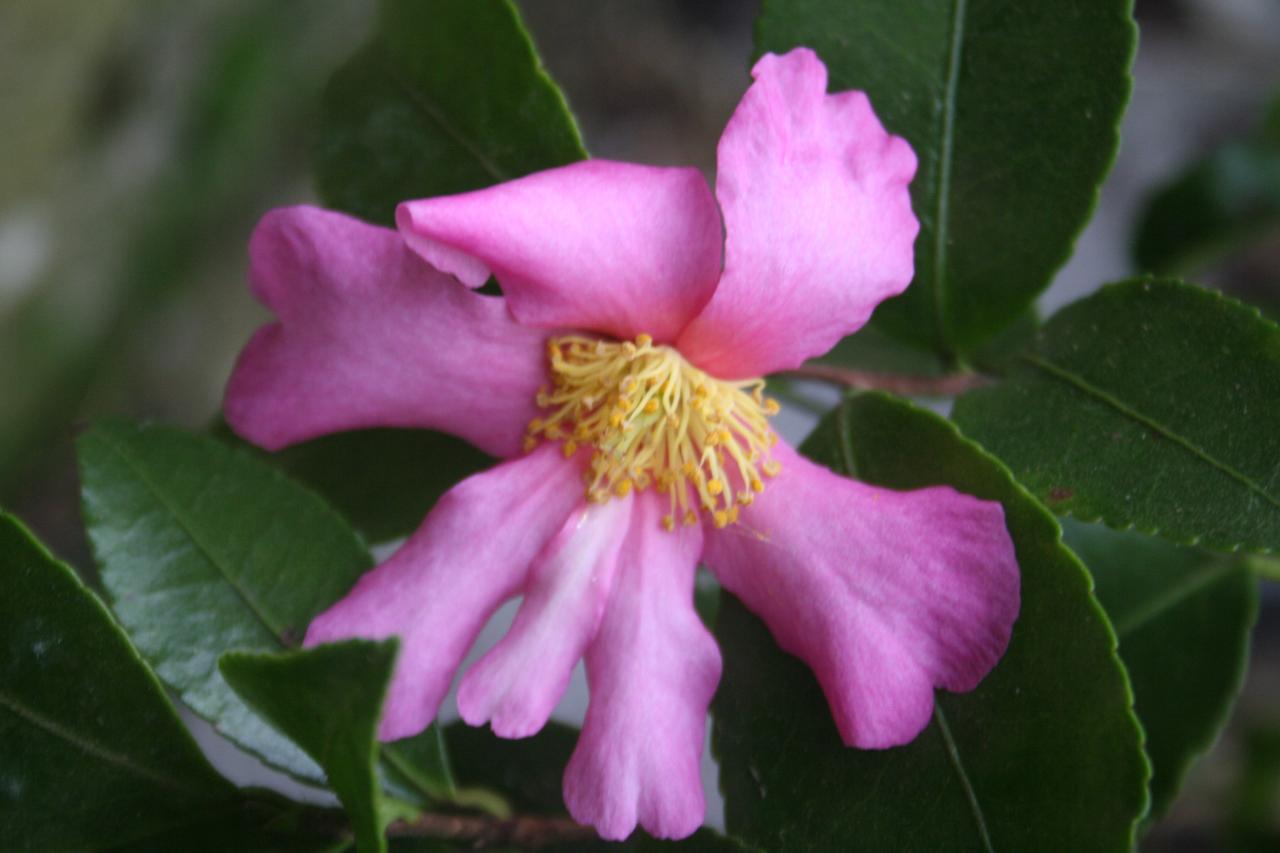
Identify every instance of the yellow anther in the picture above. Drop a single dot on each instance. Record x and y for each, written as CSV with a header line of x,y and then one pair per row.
x,y
652,420
668,523
530,443
771,406
771,468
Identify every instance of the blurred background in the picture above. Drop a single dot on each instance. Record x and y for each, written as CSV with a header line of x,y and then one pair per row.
x,y
141,139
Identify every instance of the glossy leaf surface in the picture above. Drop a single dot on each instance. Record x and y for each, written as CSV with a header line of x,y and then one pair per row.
x,y
91,751
1184,618
1013,111
327,700
448,96
206,549
1151,404
1044,755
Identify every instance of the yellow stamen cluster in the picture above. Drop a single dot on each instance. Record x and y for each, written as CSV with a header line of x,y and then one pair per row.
x,y
655,421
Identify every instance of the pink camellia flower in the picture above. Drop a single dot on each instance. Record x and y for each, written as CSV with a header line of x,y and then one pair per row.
x,y
618,378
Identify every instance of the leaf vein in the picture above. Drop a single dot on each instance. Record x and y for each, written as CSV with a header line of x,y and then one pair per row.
x,y
433,112
90,747
942,206
1081,384
953,753
205,550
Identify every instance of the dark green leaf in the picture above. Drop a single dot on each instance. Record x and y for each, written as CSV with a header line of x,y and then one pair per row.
x,y
448,96
1252,825
327,700
1183,617
1013,110
1044,755
205,549
419,764
260,822
528,771
382,480
91,751
873,349
1150,404
1216,206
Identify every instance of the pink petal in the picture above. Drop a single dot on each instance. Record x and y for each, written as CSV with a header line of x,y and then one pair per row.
x,y
818,220
369,335
436,593
885,594
652,670
612,247
518,683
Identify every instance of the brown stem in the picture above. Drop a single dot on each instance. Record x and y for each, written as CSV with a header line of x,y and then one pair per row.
x,y
480,831
923,386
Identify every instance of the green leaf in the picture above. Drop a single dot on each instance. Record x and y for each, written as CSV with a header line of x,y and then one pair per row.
x,y
206,549
260,822
382,480
448,96
1013,110
528,771
1216,206
91,751
327,700
419,764
1183,617
1149,404
1044,755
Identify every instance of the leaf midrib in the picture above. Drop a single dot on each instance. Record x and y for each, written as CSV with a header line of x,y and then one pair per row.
x,y
1173,595
1083,385
387,751
436,114
942,194
97,750
953,755
952,749
188,528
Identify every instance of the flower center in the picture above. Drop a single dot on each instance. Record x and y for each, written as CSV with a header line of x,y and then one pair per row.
x,y
654,420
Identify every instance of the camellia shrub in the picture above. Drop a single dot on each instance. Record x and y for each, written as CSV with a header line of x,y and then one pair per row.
x,y
552,378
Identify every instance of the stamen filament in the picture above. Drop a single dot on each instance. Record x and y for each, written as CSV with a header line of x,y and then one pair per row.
x,y
655,420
